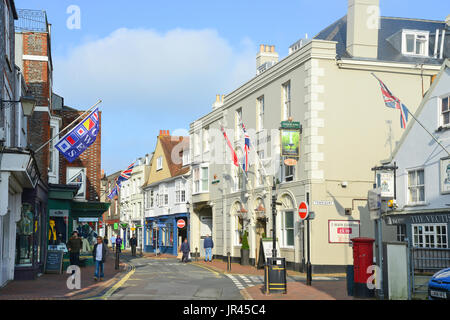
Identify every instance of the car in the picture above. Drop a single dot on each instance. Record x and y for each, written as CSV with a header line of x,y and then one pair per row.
x,y
439,285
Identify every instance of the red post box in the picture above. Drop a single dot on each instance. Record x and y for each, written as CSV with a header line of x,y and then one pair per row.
x,y
362,259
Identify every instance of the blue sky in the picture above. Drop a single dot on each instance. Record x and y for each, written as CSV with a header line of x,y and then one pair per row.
x,y
158,65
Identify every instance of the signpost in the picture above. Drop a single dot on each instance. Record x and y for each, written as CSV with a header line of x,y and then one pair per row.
x,y
303,212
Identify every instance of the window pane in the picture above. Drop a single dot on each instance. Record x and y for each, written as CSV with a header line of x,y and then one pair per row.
x,y
410,43
446,118
444,104
290,237
420,177
289,220
411,178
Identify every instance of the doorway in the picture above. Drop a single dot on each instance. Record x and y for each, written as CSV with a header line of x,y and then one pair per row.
x,y
260,230
182,234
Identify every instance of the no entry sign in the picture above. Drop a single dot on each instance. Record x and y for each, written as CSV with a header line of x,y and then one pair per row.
x,y
303,210
181,223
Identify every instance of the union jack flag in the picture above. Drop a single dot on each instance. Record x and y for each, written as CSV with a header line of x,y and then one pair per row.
x,y
246,147
126,174
393,102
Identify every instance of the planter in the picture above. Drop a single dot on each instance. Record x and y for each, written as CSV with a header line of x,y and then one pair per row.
x,y
245,257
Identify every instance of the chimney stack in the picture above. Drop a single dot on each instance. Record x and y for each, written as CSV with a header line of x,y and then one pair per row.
x,y
164,133
363,21
266,54
219,101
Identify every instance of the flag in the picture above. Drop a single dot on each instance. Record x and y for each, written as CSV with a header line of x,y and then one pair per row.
x,y
233,153
76,141
393,102
246,148
126,174
115,190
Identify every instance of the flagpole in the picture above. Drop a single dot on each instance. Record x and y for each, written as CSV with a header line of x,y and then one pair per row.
x,y
59,133
434,138
428,132
240,166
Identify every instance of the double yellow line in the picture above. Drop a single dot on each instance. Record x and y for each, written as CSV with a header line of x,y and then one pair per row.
x,y
115,287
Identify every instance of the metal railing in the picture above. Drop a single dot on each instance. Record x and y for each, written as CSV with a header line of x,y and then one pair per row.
x,y
31,20
424,263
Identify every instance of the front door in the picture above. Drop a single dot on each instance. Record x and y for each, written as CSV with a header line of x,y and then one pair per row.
x,y
260,233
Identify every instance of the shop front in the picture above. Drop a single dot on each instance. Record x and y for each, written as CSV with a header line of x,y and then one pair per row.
x,y
66,215
425,229
164,234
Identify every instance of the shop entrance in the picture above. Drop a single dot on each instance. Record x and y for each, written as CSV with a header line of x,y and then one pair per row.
x,y
260,231
182,234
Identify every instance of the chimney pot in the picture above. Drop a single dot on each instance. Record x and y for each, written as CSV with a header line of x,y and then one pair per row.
x,y
261,48
272,49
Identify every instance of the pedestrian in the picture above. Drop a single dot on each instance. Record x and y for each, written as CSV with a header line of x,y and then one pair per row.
x,y
118,243
208,244
113,241
185,249
74,246
133,244
99,254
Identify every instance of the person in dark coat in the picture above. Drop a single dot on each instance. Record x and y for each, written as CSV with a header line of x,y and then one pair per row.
x,y
74,246
99,254
185,249
118,244
133,244
208,244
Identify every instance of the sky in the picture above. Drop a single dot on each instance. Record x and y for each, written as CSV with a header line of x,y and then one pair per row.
x,y
158,65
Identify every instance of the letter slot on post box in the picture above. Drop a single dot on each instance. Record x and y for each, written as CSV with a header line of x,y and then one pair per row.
x,y
362,259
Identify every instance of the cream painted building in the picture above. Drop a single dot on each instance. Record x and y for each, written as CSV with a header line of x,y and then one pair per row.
x,y
131,199
325,83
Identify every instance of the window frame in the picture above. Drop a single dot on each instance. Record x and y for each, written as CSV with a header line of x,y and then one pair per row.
x,y
416,186
415,33
260,109
441,112
159,163
423,244
284,229
286,101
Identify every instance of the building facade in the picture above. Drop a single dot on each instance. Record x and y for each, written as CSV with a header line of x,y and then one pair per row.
x,y
111,218
166,194
325,84
423,171
132,201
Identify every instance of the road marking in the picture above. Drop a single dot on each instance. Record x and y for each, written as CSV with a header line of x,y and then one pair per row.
x,y
217,274
114,288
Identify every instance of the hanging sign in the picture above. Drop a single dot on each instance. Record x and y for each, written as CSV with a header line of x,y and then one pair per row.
x,y
290,143
385,181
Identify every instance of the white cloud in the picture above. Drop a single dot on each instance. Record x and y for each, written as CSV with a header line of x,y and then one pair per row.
x,y
147,68
150,81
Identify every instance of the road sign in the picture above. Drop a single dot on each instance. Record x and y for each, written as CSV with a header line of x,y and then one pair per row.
x,y
303,210
181,223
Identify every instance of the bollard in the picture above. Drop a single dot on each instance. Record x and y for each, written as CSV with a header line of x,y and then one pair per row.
x,y
228,261
117,260
196,255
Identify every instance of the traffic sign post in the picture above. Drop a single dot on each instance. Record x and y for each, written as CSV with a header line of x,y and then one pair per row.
x,y
303,212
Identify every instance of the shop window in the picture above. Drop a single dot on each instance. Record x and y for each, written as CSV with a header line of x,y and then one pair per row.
x,y
24,237
401,232
430,236
167,236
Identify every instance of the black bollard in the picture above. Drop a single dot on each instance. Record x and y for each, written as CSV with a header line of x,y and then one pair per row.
x,y
196,254
117,260
228,261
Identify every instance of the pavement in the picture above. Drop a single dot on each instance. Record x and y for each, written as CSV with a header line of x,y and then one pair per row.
x,y
54,286
324,286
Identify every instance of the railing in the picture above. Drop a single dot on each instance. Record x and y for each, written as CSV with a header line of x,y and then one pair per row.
x,y
31,20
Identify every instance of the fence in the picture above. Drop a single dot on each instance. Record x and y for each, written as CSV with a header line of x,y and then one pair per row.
x,y
424,263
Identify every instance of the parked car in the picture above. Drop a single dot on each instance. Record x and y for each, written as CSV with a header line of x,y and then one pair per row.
x,y
439,285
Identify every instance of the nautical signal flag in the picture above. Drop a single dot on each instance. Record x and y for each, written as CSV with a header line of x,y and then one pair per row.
x,y
392,101
76,141
233,153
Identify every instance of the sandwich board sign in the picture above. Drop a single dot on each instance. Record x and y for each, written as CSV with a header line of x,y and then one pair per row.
x,y
265,251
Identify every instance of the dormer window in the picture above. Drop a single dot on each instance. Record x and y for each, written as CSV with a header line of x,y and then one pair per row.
x,y
415,43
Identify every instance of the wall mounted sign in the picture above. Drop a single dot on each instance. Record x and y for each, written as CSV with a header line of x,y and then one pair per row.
x,y
445,175
290,143
385,181
290,162
342,231
323,202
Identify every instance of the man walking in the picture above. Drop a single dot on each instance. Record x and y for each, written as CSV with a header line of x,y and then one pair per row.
x,y
185,249
208,244
118,243
133,244
99,254
74,246
113,241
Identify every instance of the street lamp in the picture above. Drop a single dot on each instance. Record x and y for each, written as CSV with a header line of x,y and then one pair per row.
x,y
28,103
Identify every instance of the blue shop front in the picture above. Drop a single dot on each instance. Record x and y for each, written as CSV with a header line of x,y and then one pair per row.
x,y
163,234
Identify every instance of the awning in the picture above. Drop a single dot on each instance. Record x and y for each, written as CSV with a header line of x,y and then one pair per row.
x,y
89,209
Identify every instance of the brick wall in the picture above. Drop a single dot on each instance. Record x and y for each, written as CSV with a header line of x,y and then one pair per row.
x,y
89,159
37,75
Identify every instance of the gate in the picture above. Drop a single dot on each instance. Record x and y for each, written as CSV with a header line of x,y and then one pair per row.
x,y
424,263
